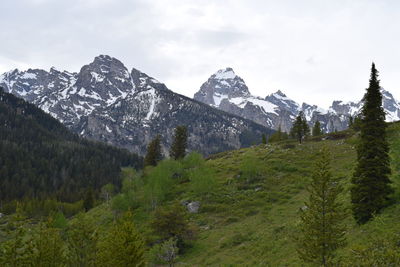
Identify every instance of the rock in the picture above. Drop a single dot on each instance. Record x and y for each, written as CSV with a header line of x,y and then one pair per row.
x,y
1,215
193,207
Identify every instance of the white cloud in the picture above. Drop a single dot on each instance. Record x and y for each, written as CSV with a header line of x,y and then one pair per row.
x,y
315,51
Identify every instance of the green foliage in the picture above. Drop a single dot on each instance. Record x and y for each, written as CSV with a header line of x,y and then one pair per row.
x,y
193,160
48,247
371,184
165,253
202,180
159,182
122,246
153,155
58,220
129,197
41,159
107,191
316,130
278,136
264,139
16,251
300,128
88,201
171,222
179,143
377,252
82,238
321,229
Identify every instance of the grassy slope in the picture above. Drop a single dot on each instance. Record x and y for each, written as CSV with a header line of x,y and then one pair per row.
x,y
255,226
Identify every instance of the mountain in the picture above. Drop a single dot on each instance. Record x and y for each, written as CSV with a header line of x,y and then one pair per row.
x,y
227,91
106,102
41,158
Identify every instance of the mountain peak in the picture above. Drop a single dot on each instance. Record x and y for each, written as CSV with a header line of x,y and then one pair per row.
x,y
280,93
224,74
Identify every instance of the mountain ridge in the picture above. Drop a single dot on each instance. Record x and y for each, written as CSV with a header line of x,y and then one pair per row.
x,y
107,102
277,110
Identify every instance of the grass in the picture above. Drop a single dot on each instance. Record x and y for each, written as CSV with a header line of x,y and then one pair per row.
x,y
251,216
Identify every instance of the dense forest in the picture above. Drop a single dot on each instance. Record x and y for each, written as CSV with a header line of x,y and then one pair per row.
x,y
40,158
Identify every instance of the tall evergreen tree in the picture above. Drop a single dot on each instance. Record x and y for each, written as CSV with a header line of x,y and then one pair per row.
x,y
300,128
153,155
351,120
123,245
321,228
82,240
316,131
179,144
263,139
371,184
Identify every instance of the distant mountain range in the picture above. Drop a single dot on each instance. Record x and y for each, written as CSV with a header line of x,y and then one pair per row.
x,y
106,102
227,91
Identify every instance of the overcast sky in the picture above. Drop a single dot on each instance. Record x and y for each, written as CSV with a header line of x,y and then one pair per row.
x,y
313,50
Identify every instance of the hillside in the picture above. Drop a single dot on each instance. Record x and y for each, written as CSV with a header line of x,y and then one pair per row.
x,y
250,215
41,158
249,204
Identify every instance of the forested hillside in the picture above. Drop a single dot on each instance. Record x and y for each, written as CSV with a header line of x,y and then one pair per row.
x,y
237,208
40,158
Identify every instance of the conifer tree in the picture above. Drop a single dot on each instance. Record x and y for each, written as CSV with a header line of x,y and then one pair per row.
x,y
321,228
316,131
263,139
371,184
300,128
351,121
179,144
82,240
123,246
16,251
48,247
153,155
88,201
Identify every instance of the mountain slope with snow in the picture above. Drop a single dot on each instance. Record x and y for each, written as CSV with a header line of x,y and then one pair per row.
x,y
106,102
227,91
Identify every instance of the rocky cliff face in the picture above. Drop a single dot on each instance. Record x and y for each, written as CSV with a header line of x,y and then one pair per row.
x,y
106,102
227,91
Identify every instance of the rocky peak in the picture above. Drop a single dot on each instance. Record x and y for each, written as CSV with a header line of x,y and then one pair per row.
x,y
224,84
280,99
391,106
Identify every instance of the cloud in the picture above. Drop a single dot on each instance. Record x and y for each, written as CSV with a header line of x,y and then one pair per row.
x,y
315,51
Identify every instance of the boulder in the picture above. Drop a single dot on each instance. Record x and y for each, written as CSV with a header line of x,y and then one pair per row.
x,y
193,207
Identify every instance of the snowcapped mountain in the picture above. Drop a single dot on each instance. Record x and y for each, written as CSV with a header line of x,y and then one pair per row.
x,y
227,91
106,102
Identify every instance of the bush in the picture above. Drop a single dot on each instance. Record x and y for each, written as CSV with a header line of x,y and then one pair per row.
x,y
203,180
171,222
160,180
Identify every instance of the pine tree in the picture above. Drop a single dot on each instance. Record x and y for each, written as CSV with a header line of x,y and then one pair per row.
x,y
371,184
351,121
16,251
123,245
153,155
300,128
88,201
82,240
316,131
263,139
321,229
48,247
179,144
